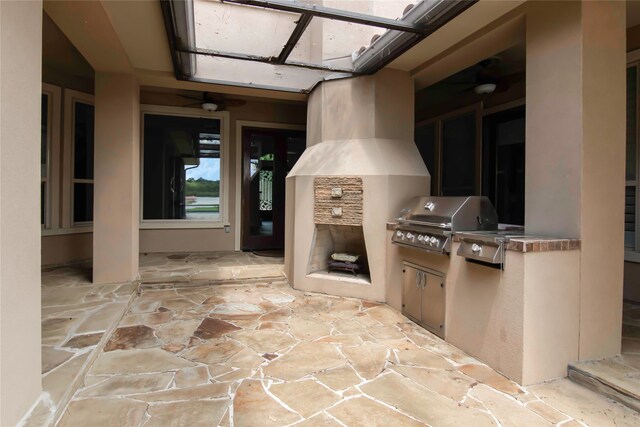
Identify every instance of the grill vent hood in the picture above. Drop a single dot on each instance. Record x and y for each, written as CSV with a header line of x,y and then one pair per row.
x,y
453,213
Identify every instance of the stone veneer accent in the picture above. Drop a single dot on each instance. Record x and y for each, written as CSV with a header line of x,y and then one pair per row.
x,y
542,244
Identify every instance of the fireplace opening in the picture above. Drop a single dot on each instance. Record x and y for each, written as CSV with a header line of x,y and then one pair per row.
x,y
339,253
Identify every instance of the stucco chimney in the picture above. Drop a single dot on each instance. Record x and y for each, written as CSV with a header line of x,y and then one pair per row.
x,y
360,128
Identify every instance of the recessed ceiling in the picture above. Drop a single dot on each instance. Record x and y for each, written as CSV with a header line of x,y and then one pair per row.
x,y
506,68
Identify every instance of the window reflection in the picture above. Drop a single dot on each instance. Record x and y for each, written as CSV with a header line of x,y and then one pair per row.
x,y
181,178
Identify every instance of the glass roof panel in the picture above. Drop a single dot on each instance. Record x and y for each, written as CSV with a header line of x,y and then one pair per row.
x,y
391,9
229,27
245,42
259,74
332,43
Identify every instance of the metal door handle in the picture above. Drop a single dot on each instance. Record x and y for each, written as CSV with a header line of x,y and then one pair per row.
x,y
424,282
418,279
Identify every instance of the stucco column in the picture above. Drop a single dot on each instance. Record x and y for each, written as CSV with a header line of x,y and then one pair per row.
x,y
576,150
117,178
20,86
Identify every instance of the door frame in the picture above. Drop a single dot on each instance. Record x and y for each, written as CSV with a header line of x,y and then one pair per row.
x,y
240,124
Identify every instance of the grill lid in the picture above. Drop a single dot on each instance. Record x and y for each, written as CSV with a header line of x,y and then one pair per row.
x,y
451,213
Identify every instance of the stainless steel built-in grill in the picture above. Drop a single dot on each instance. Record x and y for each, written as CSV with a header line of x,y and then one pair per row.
x,y
427,223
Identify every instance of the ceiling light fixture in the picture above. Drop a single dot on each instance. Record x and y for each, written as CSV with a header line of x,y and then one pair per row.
x,y
209,106
485,88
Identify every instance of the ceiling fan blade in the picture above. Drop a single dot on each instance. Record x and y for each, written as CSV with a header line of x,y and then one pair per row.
x,y
190,97
193,104
233,102
459,83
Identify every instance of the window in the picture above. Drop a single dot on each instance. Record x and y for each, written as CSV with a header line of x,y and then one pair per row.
x,y
631,187
49,156
78,156
182,170
45,134
449,146
467,155
83,115
503,163
459,141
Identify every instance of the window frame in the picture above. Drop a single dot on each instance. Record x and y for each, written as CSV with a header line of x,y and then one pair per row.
x,y
632,254
224,117
71,97
52,180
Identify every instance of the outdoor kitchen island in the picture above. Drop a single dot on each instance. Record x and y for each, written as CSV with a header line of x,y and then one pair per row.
x,y
520,318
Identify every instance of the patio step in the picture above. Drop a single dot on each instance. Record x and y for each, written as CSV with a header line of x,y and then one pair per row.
x,y
213,275
616,378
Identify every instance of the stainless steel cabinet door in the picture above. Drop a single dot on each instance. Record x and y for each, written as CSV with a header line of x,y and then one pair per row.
x,y
433,303
411,288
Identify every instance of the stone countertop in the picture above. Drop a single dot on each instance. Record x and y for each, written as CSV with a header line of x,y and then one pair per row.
x,y
542,244
527,243
391,225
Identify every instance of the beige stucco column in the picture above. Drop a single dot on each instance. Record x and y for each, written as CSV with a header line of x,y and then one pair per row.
x,y
117,178
20,86
576,149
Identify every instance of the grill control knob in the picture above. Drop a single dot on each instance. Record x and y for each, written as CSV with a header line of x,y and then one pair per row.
x,y
400,235
420,238
476,248
434,242
411,236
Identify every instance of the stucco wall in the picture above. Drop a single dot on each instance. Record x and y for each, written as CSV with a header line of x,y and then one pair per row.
x,y
65,248
20,77
575,131
116,204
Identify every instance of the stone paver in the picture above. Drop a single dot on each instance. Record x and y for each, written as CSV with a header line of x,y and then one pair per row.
x,y
305,397
363,412
265,354
76,315
104,412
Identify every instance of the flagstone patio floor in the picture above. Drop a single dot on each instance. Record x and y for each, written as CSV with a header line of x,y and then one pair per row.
x,y
265,354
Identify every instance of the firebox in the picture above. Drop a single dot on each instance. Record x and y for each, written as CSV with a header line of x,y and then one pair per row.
x,y
339,244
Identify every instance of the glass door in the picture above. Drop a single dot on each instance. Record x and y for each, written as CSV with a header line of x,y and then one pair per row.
x,y
268,156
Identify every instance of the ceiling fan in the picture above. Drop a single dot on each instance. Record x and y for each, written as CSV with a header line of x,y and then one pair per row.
x,y
487,77
213,102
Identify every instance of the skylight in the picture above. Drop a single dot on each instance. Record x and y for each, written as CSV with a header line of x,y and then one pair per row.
x,y
292,45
